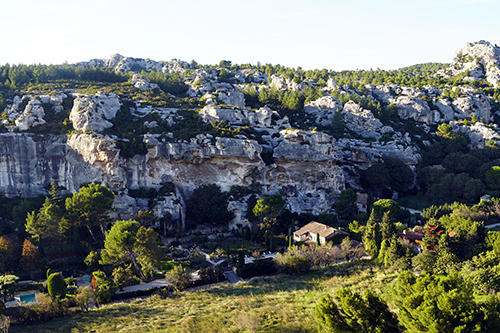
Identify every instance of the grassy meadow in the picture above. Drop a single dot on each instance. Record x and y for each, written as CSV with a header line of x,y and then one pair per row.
x,y
280,303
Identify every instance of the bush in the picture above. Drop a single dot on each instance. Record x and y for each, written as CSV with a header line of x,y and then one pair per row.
x,y
258,268
84,294
70,281
294,260
56,286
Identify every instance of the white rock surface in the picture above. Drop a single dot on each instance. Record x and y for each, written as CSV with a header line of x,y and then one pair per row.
x,y
323,109
481,59
416,109
479,133
477,104
259,118
143,83
32,115
233,98
90,112
363,121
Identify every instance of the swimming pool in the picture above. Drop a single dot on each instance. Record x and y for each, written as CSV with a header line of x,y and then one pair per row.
x,y
27,298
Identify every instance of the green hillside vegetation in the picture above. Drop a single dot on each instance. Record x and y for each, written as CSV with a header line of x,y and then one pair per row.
x,y
458,257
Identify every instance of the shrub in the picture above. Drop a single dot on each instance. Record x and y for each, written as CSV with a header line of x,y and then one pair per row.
x,y
258,268
83,295
56,286
70,281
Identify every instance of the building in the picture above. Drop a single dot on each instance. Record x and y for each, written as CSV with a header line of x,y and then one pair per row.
x,y
362,202
309,232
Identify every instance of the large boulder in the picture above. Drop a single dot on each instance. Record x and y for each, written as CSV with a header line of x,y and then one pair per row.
x,y
416,109
90,112
233,98
444,106
32,115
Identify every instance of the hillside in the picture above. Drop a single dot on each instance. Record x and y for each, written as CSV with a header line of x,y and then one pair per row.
x,y
123,170
138,123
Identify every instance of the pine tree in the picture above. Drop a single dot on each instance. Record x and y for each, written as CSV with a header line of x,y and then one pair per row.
x,y
263,96
54,194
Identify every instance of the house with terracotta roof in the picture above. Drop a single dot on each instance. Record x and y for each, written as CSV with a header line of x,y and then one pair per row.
x,y
414,238
310,231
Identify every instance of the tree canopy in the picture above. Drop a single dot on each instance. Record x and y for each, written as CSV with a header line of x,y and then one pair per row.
x,y
90,207
129,242
353,313
208,204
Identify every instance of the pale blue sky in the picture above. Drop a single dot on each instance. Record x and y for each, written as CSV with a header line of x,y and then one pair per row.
x,y
338,35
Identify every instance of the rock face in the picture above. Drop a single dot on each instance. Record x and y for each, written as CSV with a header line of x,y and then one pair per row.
x,y
444,106
285,83
142,83
233,98
124,64
28,166
477,104
260,118
416,109
363,121
308,168
478,133
32,115
90,112
481,59
323,109
305,170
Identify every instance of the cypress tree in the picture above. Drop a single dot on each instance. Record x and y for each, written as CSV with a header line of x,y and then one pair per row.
x,y
371,237
387,227
56,286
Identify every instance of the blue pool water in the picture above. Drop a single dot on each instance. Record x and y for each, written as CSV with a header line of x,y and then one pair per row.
x,y
28,298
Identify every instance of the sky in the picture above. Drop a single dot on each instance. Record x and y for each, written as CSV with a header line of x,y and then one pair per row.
x,y
331,34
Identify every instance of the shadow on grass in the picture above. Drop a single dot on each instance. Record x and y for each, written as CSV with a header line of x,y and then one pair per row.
x,y
105,319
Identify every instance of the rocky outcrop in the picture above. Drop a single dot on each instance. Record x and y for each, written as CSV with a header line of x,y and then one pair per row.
x,y
282,83
363,122
478,133
233,98
478,104
323,109
416,109
32,115
142,83
363,154
480,59
259,118
445,108
125,64
90,112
